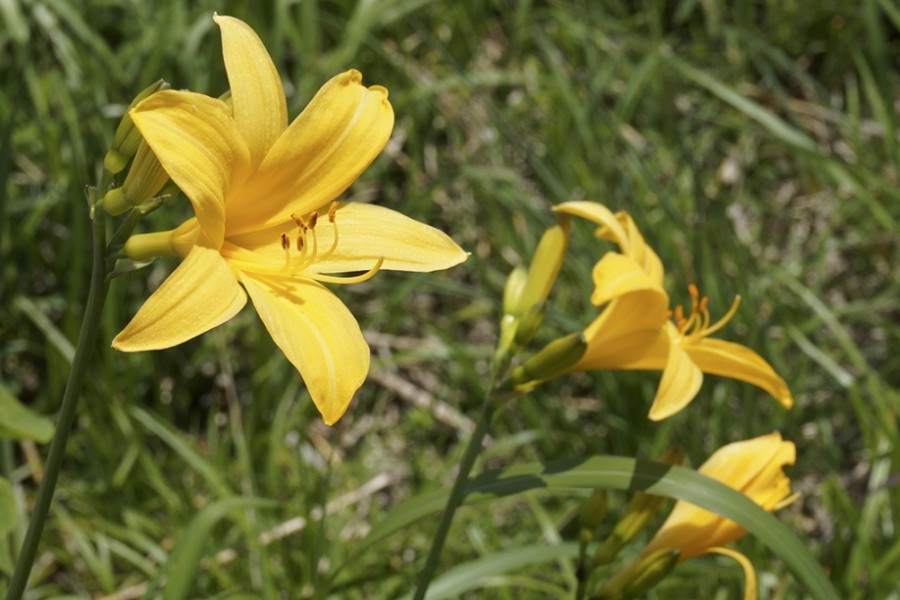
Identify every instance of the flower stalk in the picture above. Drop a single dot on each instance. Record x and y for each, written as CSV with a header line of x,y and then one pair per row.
x,y
99,288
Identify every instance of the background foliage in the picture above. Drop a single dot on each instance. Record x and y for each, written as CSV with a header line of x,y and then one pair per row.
x,y
754,142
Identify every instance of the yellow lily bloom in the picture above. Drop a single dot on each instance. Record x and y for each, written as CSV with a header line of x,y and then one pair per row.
x,y
265,222
754,468
634,330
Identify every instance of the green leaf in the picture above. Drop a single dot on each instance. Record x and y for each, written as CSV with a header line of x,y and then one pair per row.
x,y
484,571
622,473
182,564
8,516
21,423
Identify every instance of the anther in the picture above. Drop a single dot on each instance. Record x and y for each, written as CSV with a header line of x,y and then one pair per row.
x,y
332,212
312,220
286,241
694,292
300,244
298,220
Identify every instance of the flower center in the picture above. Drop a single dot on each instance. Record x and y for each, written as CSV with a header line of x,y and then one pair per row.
x,y
698,324
302,250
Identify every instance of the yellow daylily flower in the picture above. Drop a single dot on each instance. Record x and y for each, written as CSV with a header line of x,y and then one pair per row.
x,y
265,222
634,330
753,467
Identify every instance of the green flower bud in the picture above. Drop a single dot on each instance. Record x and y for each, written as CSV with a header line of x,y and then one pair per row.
x,y
145,178
552,360
128,138
592,514
650,570
545,265
641,509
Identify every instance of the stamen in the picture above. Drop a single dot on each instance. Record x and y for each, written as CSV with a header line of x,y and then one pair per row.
x,y
724,320
286,241
312,220
332,211
351,279
299,221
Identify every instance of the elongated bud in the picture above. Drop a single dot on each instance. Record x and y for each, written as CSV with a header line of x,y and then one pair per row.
x,y
552,360
145,178
512,291
640,510
127,137
651,570
529,323
641,576
548,258
592,514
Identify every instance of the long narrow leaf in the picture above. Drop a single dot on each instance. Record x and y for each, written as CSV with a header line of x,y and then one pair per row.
x,y
621,473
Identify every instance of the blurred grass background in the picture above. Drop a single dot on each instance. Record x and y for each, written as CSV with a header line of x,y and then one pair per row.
x,y
754,142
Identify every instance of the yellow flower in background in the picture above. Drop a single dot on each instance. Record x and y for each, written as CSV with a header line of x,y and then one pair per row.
x,y
265,222
629,285
637,331
753,467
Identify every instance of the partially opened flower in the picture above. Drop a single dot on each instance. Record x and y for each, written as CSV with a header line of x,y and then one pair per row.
x,y
753,467
634,330
266,223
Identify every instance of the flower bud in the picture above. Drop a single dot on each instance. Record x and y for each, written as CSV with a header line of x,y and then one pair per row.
x,y
641,509
545,265
642,576
512,291
127,137
592,514
552,360
145,178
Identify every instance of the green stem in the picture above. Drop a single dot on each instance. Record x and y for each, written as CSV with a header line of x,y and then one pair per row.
x,y
581,572
89,328
458,492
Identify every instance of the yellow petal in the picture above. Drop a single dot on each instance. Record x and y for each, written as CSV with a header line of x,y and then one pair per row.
x,y
754,467
640,251
681,380
732,360
318,335
319,155
616,275
195,139
200,294
628,334
260,110
599,214
366,233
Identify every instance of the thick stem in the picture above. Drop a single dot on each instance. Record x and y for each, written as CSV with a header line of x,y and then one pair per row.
x,y
457,493
89,327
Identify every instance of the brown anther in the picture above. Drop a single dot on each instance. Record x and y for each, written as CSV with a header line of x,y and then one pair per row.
x,y
285,241
694,292
332,211
298,220
312,220
300,244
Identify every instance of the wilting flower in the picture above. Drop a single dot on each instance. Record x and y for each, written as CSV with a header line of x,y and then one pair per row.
x,y
265,222
752,467
634,330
